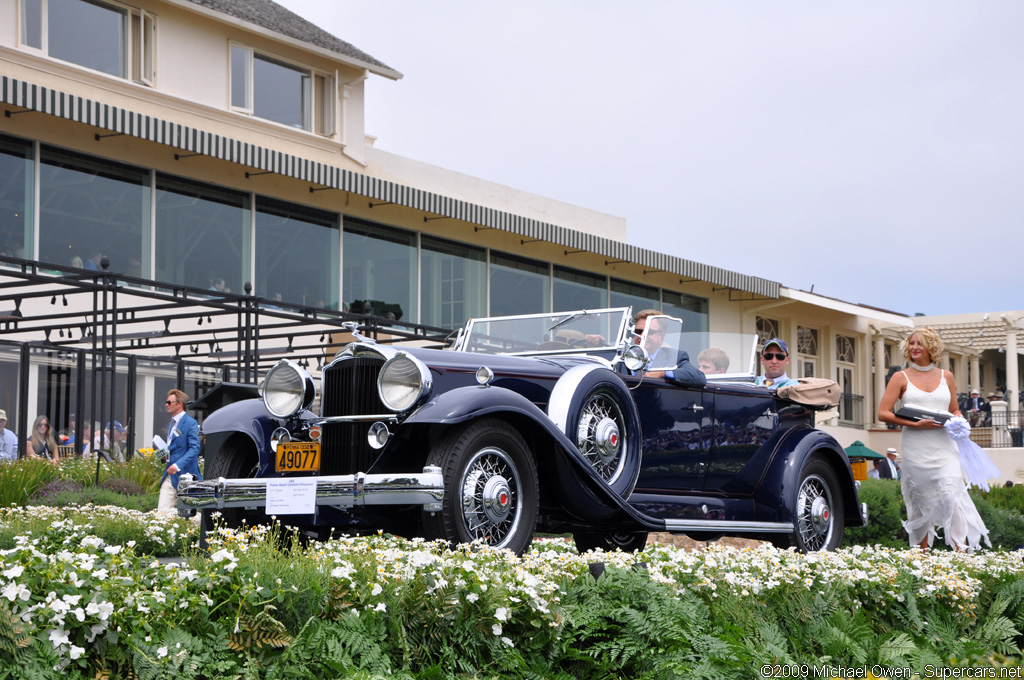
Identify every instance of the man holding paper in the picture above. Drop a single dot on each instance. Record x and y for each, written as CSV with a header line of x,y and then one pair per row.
x,y
182,449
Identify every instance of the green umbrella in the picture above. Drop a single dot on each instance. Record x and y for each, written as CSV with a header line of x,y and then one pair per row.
x,y
858,450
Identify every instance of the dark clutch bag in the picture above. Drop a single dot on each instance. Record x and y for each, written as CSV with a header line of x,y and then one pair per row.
x,y
916,413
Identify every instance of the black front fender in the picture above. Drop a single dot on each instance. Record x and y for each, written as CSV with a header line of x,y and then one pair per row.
x,y
252,419
580,490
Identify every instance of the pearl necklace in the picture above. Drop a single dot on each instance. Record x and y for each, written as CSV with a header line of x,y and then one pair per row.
x,y
925,368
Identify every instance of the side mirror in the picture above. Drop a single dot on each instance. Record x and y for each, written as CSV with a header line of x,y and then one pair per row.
x,y
635,358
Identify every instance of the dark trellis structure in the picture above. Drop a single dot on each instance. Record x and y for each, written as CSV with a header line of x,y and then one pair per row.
x,y
96,319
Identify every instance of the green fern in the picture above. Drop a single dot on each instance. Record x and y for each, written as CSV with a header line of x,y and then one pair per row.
x,y
14,633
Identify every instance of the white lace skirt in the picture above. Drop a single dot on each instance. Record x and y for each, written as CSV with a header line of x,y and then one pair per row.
x,y
935,493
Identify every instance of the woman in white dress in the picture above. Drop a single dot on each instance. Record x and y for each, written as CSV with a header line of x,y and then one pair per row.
x,y
933,486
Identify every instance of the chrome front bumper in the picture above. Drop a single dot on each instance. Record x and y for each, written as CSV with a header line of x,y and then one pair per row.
x,y
343,491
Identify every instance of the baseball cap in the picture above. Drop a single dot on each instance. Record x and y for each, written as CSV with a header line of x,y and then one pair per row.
x,y
975,391
3,414
776,341
117,426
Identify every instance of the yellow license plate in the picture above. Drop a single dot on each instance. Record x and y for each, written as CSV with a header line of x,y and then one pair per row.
x,y
297,457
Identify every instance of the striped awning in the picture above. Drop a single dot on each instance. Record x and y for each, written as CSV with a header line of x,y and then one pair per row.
x,y
116,119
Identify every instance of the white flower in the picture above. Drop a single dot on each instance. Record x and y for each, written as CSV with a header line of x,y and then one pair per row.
x,y
103,609
100,574
14,572
496,629
381,607
376,589
77,651
112,549
16,590
501,614
472,597
79,614
92,542
507,642
58,636
162,652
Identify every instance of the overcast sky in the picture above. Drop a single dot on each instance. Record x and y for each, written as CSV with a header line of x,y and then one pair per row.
x,y
869,149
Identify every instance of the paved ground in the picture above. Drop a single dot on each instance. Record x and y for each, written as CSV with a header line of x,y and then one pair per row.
x,y
687,543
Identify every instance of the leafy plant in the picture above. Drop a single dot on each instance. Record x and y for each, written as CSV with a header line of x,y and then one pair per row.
x,y
21,478
886,512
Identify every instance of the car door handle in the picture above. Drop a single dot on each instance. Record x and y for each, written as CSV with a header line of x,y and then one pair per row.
x,y
696,407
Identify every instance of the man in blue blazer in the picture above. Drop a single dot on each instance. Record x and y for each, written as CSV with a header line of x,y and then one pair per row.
x,y
182,447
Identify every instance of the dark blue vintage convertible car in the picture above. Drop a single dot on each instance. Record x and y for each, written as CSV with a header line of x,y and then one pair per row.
x,y
558,423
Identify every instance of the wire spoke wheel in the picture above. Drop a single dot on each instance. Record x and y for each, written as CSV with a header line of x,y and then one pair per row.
x,y
491,491
600,435
815,518
490,496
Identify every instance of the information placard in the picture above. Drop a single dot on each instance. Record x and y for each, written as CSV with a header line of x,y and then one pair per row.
x,y
295,496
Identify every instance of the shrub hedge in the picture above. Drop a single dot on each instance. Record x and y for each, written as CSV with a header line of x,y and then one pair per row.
x,y
999,508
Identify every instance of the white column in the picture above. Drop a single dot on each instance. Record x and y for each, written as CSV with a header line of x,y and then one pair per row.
x,y
879,376
1012,371
975,372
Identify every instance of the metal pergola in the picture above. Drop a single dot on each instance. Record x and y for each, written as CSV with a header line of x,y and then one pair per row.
x,y
97,317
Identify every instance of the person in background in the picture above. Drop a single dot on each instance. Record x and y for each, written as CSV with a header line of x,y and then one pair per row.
x,y
86,438
114,441
41,443
8,441
774,362
182,438
874,473
894,461
973,408
713,360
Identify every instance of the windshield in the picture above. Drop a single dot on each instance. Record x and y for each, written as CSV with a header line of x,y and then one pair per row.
x,y
559,332
720,356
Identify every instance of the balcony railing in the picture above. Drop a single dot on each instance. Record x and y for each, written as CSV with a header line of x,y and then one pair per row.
x,y
1001,430
851,409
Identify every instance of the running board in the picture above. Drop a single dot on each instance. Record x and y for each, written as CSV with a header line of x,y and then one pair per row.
x,y
722,526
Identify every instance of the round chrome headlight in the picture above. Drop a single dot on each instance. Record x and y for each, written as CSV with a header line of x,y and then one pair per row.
x,y
287,389
402,382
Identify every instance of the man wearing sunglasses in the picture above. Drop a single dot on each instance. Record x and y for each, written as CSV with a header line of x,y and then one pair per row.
x,y
182,449
774,362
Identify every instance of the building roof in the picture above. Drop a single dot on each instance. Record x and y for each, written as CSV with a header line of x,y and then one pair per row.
x,y
200,142
272,16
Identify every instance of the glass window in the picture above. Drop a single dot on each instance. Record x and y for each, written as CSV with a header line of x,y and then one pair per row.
x,y
90,34
240,60
518,285
281,92
296,253
846,349
692,310
15,197
625,294
32,23
202,234
10,372
572,289
454,282
88,208
285,93
766,330
379,270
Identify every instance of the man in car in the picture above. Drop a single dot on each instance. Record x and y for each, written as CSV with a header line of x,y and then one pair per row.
x,y
664,356
775,361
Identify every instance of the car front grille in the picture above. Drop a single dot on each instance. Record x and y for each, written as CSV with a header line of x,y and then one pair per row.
x,y
349,388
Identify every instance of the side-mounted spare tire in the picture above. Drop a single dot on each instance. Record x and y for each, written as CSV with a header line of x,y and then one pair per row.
x,y
596,411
